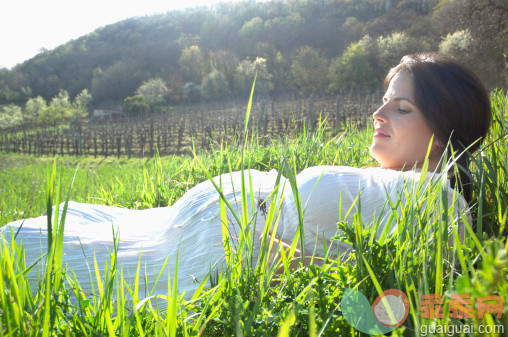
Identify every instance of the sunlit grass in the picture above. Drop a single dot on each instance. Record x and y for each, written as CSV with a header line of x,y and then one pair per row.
x,y
249,297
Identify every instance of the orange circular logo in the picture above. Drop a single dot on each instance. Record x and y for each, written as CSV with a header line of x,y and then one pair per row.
x,y
391,307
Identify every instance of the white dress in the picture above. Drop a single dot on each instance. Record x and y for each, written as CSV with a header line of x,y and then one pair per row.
x,y
193,223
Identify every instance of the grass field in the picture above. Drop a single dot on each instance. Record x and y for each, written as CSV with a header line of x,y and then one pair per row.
x,y
247,302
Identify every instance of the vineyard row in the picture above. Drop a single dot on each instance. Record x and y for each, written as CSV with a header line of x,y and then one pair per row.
x,y
175,132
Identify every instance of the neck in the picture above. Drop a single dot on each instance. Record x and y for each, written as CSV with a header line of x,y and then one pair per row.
x,y
433,166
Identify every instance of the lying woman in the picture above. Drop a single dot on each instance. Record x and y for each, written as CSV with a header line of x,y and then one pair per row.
x,y
430,101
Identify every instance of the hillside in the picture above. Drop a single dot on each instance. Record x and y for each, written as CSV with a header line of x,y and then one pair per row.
x,y
295,45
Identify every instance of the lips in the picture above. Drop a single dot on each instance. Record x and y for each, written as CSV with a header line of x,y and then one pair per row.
x,y
381,134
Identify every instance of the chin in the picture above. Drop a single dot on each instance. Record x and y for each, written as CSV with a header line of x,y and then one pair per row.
x,y
376,154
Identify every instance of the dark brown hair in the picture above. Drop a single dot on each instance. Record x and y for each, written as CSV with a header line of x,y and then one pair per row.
x,y
454,103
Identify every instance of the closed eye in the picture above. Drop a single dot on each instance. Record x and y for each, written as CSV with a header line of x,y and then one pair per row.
x,y
403,111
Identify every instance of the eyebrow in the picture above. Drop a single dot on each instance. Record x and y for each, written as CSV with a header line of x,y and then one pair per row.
x,y
397,99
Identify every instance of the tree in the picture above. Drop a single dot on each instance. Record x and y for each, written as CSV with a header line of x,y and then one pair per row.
x,y
83,99
309,70
280,68
57,110
252,30
245,73
393,47
187,40
175,91
285,32
192,64
154,90
192,91
215,86
226,62
444,18
10,115
79,108
351,29
357,66
117,81
34,108
13,86
458,45
136,105
487,23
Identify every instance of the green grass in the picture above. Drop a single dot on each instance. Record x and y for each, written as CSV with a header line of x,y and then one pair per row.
x,y
246,301
160,181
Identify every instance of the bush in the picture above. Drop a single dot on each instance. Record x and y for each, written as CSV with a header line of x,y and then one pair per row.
x,y
192,91
154,90
136,105
310,70
356,66
215,86
457,45
10,115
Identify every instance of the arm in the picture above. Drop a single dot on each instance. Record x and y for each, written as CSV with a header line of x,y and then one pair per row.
x,y
295,261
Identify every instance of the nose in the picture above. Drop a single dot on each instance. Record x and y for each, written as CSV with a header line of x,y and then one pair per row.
x,y
380,115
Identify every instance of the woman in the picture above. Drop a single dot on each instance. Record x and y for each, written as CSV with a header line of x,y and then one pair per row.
x,y
429,100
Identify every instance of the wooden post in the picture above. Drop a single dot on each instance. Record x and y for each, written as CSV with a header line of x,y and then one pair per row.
x,y
106,145
338,106
180,139
310,117
142,144
118,146
151,137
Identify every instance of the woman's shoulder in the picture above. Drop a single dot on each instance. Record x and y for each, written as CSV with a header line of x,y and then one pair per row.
x,y
356,172
370,181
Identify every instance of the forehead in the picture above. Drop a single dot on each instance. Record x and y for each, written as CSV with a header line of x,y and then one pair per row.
x,y
401,86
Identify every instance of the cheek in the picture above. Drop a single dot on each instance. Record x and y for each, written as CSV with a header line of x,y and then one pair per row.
x,y
418,136
415,130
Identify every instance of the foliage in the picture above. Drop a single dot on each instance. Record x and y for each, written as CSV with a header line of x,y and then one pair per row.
x,y
10,116
247,70
13,87
35,107
252,29
226,62
192,64
280,67
392,48
185,46
83,99
192,91
154,90
136,105
457,45
309,70
366,62
79,107
214,86
176,92
57,108
356,66
117,81
486,23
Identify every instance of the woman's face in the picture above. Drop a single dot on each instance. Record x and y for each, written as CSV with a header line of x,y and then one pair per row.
x,y
402,136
